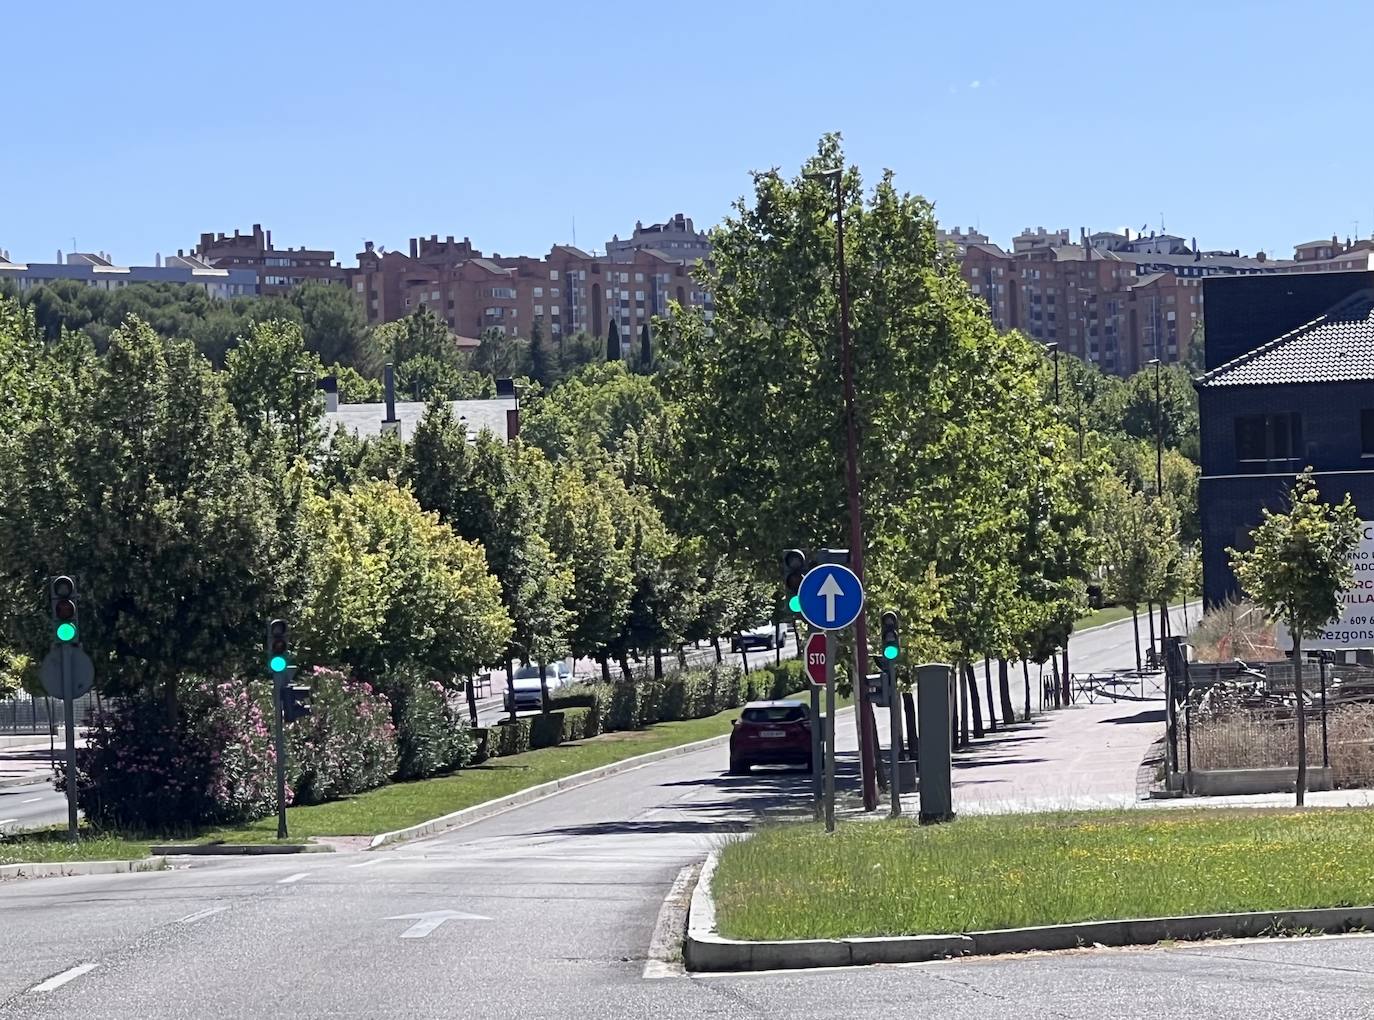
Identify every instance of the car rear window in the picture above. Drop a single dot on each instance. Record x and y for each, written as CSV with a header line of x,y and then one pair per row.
x,y
780,714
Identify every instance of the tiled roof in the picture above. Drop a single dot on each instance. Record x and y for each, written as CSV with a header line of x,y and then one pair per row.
x,y
1337,346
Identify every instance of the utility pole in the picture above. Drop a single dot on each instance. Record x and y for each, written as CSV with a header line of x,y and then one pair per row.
x,y
867,755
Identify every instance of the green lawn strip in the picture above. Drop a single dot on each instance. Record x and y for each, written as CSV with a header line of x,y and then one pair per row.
x,y
51,845
1100,618
403,804
1012,871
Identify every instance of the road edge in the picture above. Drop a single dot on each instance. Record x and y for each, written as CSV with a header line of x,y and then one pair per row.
x,y
52,869
486,809
705,949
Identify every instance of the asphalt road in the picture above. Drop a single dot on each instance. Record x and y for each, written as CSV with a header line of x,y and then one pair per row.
x,y
549,912
23,807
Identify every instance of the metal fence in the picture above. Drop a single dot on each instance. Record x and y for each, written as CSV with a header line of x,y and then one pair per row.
x,y
1243,715
23,713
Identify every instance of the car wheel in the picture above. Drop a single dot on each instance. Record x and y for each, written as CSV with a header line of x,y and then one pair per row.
x,y
738,768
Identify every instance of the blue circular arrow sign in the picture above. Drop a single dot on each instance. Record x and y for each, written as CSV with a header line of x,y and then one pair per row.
x,y
831,597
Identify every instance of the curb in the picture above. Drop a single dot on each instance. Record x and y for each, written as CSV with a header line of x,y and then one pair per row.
x,y
51,869
239,849
706,950
492,807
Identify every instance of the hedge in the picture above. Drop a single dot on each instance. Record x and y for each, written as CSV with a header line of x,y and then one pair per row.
x,y
545,730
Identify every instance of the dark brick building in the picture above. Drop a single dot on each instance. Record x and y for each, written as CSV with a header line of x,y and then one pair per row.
x,y
1290,384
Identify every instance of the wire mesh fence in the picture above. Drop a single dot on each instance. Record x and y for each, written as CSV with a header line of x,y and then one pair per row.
x,y
23,713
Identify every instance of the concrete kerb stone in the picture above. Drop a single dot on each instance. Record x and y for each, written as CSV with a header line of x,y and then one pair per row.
x,y
493,807
239,849
706,950
50,869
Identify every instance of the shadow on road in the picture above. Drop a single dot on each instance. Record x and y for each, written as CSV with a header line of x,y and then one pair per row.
x,y
1152,716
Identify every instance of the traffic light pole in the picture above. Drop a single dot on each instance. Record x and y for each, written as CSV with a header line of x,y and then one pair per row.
x,y
894,739
69,717
278,710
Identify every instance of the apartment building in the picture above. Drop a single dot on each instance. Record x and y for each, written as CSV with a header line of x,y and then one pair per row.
x,y
277,269
97,269
568,291
676,238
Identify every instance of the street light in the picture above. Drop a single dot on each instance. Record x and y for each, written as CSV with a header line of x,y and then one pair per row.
x,y
867,757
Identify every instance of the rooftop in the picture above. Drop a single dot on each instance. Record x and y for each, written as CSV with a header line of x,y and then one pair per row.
x,y
365,420
1337,346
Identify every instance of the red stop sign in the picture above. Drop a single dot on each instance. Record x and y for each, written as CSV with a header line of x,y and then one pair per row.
x,y
815,658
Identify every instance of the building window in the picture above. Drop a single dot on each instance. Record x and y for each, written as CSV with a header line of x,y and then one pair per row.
x,y
1263,439
359,286
553,310
1367,433
639,277
538,291
538,309
553,274
553,292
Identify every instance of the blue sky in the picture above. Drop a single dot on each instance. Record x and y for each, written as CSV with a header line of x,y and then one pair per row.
x,y
136,126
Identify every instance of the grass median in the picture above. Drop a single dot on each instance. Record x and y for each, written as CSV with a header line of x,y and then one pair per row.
x,y
403,804
1012,871
51,845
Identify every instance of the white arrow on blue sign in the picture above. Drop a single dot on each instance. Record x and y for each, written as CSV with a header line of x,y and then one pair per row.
x,y
831,597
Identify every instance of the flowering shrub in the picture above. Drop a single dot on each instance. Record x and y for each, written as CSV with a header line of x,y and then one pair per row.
x,y
348,742
142,770
431,730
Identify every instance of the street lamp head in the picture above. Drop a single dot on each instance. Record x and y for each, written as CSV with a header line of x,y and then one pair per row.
x,y
1052,346
823,175
1153,361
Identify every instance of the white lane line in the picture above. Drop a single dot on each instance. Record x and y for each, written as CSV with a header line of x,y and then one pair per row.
x,y
31,800
366,864
292,878
199,914
58,980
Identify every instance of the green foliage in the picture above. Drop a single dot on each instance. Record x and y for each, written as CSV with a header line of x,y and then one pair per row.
x,y
354,387
541,371
499,356
136,480
346,745
392,589
548,729
1301,560
1140,550
427,360
1178,415
271,380
646,349
578,350
432,733
613,342
334,325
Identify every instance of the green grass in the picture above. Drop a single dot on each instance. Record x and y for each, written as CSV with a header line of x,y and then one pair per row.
x,y
1009,871
1101,617
51,845
404,804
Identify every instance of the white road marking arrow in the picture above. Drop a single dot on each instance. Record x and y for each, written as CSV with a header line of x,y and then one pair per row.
x,y
830,591
428,921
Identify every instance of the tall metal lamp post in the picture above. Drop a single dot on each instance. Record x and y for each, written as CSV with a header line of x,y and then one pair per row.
x,y
867,750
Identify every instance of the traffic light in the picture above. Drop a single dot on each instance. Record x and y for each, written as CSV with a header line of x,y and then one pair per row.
x,y
295,702
793,570
63,593
277,646
892,644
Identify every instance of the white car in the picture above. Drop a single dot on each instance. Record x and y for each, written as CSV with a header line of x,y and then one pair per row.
x,y
528,696
765,635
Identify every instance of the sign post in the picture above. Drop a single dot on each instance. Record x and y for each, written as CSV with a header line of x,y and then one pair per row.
x,y
67,673
830,731
814,659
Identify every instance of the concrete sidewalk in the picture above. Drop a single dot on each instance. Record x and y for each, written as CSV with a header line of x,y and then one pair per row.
x,y
29,763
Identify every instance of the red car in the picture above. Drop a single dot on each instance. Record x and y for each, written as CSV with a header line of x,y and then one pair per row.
x,y
771,733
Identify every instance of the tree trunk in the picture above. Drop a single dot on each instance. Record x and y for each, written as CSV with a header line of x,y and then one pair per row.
x,y
543,687
744,660
909,710
1068,677
1163,623
1150,615
605,669
472,703
1025,672
1058,688
682,656
975,703
658,664
715,643
625,668
961,694
1004,686
1301,785
1135,620
510,684
987,683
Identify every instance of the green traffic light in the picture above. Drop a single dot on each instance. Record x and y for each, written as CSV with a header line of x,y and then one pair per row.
x,y
66,631
890,652
794,603
277,663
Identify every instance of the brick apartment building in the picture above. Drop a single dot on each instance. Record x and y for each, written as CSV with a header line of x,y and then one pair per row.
x,y
676,238
1116,299
278,269
568,290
